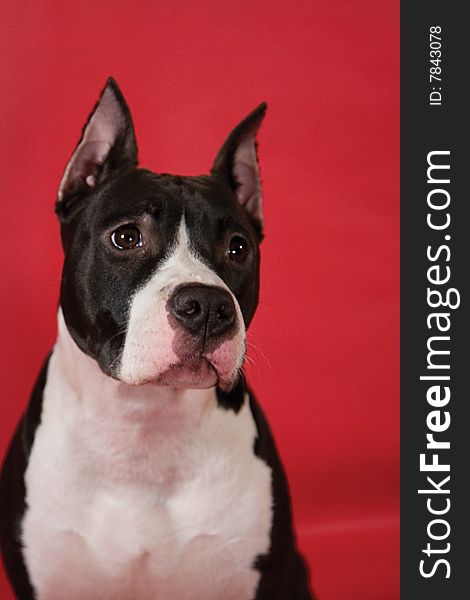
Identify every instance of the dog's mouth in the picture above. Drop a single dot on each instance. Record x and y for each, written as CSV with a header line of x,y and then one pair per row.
x,y
188,364
196,373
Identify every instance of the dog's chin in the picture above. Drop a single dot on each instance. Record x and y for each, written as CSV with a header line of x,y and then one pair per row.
x,y
191,373
194,374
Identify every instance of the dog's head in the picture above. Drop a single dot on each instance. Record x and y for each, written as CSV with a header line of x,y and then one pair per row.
x,y
161,272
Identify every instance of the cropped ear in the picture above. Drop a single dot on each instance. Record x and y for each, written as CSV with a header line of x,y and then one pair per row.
x,y
107,143
237,163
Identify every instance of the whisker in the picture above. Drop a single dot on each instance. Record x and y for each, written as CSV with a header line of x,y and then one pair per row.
x,y
262,354
120,332
250,360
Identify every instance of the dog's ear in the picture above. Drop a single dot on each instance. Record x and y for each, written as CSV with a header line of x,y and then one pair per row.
x,y
107,143
237,163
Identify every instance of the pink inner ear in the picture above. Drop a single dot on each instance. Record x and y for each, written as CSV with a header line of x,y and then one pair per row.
x,y
98,138
87,157
246,171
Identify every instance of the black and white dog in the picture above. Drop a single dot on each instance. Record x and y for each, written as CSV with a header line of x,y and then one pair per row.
x,y
143,467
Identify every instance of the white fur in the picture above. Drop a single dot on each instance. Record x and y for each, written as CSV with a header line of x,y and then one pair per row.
x,y
141,492
148,349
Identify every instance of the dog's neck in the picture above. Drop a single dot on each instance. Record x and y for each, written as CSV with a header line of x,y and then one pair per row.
x,y
119,423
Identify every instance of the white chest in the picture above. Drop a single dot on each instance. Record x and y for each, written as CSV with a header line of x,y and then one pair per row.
x,y
139,510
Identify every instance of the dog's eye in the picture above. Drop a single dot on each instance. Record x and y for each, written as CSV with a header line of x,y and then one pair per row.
x,y
127,237
238,249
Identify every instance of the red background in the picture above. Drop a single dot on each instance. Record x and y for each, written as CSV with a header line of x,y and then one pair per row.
x,y
326,368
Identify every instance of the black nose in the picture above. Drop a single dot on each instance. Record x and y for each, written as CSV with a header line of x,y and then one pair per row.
x,y
204,310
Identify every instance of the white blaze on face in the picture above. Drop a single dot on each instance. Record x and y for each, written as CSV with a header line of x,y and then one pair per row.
x,y
148,348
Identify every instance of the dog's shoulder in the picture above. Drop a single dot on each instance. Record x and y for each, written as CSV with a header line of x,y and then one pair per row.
x,y
12,488
32,416
283,570
18,453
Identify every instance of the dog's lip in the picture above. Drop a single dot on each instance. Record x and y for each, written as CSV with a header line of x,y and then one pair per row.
x,y
192,363
191,372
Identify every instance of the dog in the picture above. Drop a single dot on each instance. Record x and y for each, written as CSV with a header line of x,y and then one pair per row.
x,y
143,467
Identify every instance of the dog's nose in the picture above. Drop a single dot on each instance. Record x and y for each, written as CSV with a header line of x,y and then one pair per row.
x,y
204,310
